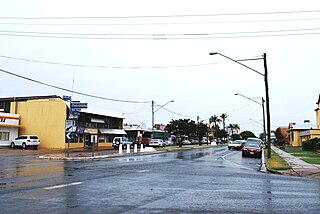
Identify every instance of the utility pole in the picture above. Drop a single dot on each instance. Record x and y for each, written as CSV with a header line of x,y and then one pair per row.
x,y
152,106
267,103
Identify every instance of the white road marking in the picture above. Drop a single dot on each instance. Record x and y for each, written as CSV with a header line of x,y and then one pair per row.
x,y
62,186
141,171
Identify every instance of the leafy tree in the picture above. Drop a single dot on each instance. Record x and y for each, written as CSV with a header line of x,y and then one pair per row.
x,y
223,118
221,134
236,137
246,134
202,130
279,136
187,127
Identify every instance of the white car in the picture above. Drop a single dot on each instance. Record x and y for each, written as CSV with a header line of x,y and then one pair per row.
x,y
237,144
156,142
25,141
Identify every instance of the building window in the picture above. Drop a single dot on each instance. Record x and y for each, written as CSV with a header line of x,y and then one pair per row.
x,y
4,136
101,139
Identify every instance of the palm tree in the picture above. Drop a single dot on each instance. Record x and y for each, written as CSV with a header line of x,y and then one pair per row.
x,y
234,128
215,120
223,118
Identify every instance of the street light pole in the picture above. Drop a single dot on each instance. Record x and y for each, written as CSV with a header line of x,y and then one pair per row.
x,y
153,111
265,75
263,113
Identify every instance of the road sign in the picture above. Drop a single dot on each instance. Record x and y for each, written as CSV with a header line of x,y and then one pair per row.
x,y
75,109
75,113
68,135
79,105
66,98
70,125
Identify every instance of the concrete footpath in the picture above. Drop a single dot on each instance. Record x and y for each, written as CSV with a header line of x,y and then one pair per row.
x,y
299,167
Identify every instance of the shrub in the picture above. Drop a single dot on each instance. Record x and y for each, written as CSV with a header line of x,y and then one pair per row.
x,y
310,144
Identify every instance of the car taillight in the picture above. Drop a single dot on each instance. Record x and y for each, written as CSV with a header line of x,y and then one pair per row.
x,y
29,140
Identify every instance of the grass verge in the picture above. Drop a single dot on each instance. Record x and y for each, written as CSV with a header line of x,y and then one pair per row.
x,y
276,162
307,156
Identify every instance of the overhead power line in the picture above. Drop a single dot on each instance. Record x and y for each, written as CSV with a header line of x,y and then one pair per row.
x,y
109,67
159,34
68,90
159,23
117,67
166,36
166,16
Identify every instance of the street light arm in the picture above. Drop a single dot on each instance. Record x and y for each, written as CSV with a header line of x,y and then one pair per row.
x,y
248,98
164,105
215,53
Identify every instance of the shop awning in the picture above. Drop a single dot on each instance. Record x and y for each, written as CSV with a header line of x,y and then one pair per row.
x,y
113,131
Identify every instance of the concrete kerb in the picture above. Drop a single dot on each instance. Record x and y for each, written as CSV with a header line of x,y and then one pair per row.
x,y
113,155
87,156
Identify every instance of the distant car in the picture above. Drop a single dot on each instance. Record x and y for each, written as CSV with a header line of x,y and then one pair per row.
x,y
254,140
237,144
121,140
204,141
186,142
25,141
157,142
145,141
252,148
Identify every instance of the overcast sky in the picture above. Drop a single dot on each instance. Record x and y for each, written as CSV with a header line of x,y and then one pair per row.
x,y
159,50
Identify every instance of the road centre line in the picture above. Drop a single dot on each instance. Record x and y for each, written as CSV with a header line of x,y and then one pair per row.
x,y
62,186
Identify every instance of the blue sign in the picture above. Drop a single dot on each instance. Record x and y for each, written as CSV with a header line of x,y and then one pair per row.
x,y
79,105
66,98
75,113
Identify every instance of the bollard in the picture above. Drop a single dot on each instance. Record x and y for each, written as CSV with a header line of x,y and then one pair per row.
x,y
128,149
120,148
141,148
135,150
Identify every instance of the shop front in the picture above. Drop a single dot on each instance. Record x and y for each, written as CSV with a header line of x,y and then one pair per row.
x,y
9,127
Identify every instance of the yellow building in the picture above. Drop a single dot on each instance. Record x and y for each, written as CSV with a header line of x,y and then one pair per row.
x,y
298,134
46,117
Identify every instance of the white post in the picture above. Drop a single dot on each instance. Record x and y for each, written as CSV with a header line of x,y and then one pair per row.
x,y
120,148
128,148
135,150
141,148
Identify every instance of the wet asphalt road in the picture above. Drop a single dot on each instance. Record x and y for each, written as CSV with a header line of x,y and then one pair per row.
x,y
208,180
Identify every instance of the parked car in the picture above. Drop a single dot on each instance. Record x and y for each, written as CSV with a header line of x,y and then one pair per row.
x,y
157,142
252,148
25,141
121,140
145,141
186,142
237,144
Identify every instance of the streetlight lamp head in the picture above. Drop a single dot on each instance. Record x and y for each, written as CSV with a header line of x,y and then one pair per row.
x,y
213,53
236,94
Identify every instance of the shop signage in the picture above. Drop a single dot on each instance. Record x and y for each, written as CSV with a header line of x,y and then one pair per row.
x,y
9,119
